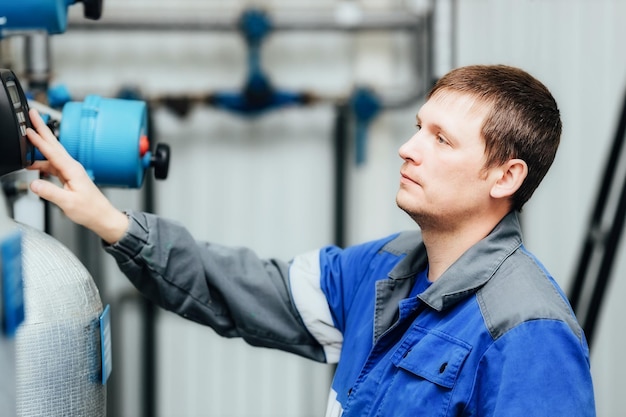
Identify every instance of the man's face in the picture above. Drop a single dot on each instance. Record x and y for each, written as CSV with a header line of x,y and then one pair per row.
x,y
443,181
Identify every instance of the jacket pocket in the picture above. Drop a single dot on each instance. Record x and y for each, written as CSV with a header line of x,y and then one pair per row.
x,y
437,358
426,370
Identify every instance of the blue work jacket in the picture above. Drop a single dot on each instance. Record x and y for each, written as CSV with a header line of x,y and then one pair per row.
x,y
493,336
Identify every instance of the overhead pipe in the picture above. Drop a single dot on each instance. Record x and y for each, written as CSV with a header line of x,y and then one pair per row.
x,y
418,23
259,95
281,21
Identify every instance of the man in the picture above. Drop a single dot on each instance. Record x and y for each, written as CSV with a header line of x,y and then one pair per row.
x,y
456,319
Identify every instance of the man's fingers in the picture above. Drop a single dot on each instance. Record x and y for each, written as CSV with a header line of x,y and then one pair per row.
x,y
59,162
40,126
47,148
48,191
43,166
44,140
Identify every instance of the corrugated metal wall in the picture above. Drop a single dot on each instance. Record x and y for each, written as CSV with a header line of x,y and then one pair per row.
x,y
267,182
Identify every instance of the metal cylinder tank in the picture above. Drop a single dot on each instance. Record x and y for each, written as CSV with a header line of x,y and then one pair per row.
x,y
58,346
11,306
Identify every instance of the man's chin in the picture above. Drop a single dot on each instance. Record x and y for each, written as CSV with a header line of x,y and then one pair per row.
x,y
423,219
403,204
405,208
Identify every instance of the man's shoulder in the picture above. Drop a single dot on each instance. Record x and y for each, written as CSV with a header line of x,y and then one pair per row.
x,y
521,290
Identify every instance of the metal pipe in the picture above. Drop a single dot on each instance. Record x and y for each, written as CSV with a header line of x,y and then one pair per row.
x,y
423,64
595,234
37,54
45,109
341,136
281,21
38,74
149,310
606,267
420,23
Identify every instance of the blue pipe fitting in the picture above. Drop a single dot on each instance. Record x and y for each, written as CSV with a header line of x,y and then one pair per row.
x,y
41,15
51,16
258,94
109,138
58,96
255,26
365,106
254,102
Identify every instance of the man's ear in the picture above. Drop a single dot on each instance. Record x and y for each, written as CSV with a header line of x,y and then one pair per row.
x,y
511,175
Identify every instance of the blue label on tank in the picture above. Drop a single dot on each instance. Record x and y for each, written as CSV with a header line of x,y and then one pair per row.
x,y
105,340
11,283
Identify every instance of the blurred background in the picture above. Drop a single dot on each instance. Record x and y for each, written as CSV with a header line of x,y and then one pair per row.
x,y
310,159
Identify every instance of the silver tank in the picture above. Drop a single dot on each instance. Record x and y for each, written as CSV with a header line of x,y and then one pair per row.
x,y
7,342
58,360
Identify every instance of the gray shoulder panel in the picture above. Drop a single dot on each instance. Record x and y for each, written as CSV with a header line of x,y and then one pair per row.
x,y
521,291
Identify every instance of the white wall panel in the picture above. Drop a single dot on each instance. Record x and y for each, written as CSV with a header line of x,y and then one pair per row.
x,y
260,183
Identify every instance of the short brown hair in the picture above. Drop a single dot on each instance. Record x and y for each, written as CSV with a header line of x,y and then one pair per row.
x,y
523,120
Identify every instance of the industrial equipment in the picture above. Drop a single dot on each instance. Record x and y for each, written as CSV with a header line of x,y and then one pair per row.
x,y
11,306
63,345
17,17
16,150
55,353
55,346
107,136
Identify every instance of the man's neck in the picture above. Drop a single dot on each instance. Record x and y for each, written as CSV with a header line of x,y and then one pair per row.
x,y
444,247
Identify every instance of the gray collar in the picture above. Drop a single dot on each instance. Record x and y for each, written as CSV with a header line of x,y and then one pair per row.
x,y
470,272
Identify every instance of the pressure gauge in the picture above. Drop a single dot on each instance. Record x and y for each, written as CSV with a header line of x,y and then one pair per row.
x,y
16,151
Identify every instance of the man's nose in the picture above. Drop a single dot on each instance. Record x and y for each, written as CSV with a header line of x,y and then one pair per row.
x,y
411,149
